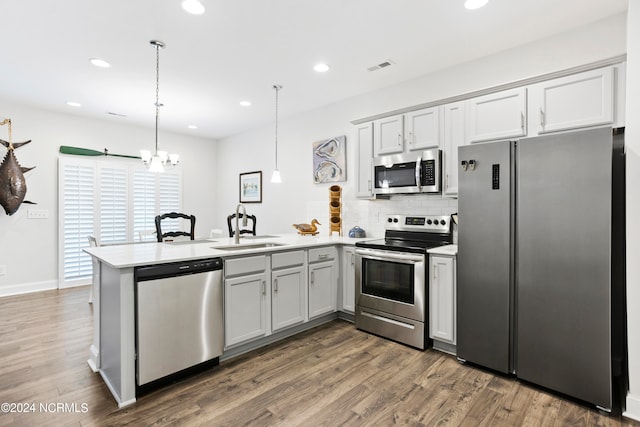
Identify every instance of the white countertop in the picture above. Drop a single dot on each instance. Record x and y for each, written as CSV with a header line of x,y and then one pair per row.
x,y
132,255
451,250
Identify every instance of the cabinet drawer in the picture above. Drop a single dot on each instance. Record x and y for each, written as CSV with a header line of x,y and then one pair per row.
x,y
287,259
246,265
322,254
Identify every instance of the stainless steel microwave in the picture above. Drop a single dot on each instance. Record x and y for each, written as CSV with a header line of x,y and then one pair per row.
x,y
419,172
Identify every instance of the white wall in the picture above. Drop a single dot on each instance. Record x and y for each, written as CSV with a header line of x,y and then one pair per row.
x,y
632,142
297,199
28,247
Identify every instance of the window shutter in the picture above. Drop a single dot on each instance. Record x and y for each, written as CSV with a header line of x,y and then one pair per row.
x,y
113,205
144,204
169,200
78,189
114,200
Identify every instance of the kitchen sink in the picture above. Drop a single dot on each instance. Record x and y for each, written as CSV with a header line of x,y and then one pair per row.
x,y
242,247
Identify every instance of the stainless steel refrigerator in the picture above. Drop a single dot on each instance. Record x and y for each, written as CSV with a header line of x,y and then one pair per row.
x,y
540,291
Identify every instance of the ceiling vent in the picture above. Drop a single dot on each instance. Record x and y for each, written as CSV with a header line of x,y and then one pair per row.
x,y
384,64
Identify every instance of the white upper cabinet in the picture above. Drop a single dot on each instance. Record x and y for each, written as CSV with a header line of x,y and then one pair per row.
x,y
454,124
422,128
388,135
364,153
498,115
580,100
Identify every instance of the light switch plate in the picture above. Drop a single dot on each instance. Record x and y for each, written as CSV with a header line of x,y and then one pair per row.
x,y
37,213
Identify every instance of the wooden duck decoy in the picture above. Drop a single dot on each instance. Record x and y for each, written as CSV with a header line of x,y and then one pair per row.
x,y
308,228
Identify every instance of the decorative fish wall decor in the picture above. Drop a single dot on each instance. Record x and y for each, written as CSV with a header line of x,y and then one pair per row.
x,y
13,186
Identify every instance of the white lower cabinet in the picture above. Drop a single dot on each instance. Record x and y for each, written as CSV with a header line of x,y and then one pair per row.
x,y
267,293
442,299
349,279
323,280
288,289
245,296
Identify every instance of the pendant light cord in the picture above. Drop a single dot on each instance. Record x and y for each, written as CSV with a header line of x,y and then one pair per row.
x,y
277,89
157,91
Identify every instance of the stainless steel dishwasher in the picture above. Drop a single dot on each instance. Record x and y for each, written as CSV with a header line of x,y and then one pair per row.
x,y
179,317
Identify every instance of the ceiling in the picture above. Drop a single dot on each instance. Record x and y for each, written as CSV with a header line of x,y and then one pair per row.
x,y
238,49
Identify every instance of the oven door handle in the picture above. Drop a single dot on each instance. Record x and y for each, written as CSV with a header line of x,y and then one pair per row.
x,y
403,257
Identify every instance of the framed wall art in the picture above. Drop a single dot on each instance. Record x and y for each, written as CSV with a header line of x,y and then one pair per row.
x,y
251,187
329,160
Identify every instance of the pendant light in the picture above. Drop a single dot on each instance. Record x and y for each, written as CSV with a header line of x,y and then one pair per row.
x,y
276,173
157,161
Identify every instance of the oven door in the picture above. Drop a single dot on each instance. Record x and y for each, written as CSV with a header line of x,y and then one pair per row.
x,y
391,282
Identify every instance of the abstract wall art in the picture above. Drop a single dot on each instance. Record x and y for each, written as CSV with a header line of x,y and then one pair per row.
x,y
329,160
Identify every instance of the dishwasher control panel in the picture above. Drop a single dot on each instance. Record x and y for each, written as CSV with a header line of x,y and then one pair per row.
x,y
177,268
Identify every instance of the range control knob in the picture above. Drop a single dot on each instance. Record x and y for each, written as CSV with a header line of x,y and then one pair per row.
x,y
395,219
443,222
429,221
389,219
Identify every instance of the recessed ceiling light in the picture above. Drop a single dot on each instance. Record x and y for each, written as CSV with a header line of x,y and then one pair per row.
x,y
74,104
245,103
193,6
321,68
475,4
192,127
100,63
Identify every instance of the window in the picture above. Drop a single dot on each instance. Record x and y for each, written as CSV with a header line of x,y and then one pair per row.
x,y
114,200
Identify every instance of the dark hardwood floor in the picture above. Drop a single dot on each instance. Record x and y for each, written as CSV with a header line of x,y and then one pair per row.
x,y
332,375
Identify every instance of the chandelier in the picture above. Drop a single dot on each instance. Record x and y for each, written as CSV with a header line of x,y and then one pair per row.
x,y
157,161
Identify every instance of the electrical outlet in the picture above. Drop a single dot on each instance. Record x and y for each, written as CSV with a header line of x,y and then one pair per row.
x,y
37,213
3,270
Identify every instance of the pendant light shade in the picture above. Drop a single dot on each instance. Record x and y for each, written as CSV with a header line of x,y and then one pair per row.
x,y
275,177
156,161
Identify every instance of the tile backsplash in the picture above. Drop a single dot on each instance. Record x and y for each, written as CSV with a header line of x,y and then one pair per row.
x,y
370,215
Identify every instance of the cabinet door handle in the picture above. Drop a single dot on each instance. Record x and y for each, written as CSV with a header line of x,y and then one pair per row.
x,y
541,118
353,259
399,139
522,121
323,256
275,285
369,185
313,277
264,287
411,139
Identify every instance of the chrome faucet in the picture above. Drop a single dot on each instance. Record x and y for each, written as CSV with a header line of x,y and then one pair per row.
x,y
236,236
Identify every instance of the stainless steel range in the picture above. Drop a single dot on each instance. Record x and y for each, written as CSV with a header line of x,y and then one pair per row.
x,y
392,281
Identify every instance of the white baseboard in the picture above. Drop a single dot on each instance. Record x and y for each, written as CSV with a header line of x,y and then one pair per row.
x,y
25,288
633,407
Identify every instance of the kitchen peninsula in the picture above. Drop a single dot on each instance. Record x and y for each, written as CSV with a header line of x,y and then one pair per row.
x,y
315,260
